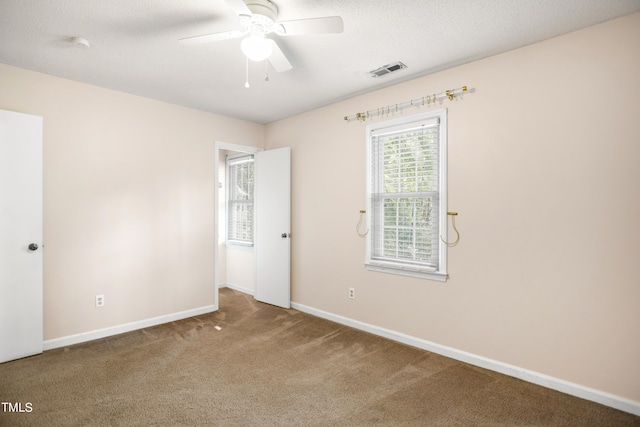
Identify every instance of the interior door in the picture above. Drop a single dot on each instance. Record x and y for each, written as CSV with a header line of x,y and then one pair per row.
x,y
273,226
21,314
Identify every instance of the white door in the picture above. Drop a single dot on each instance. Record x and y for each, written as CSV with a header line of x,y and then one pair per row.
x,y
20,235
273,226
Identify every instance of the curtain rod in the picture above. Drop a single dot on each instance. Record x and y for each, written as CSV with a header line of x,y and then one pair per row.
x,y
413,103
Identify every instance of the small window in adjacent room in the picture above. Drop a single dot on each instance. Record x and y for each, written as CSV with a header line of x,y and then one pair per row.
x,y
240,200
406,196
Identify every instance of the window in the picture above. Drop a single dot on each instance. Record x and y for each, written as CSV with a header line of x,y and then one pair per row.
x,y
240,200
407,189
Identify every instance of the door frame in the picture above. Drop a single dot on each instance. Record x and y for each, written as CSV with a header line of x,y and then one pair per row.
x,y
220,145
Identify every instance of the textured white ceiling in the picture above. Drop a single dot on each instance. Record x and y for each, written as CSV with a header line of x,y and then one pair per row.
x,y
135,49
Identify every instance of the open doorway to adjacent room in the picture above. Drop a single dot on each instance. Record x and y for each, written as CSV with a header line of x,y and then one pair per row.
x,y
235,259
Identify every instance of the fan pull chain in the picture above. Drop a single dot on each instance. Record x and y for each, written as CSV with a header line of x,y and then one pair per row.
x,y
246,83
266,70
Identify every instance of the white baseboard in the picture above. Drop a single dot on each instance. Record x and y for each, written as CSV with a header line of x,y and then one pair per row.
x,y
566,387
127,327
236,288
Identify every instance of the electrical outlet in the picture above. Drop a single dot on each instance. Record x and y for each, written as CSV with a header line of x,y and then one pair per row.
x,y
352,293
99,300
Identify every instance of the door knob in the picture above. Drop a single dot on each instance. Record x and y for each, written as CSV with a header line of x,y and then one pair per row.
x,y
284,235
33,247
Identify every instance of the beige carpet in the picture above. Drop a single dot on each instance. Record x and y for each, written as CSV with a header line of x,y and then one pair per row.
x,y
267,366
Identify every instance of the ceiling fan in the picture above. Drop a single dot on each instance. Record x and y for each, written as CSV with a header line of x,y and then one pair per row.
x,y
258,18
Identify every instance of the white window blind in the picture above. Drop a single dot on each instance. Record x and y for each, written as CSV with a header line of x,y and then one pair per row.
x,y
240,184
405,195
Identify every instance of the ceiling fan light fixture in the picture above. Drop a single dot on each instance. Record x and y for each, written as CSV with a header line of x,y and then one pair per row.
x,y
256,47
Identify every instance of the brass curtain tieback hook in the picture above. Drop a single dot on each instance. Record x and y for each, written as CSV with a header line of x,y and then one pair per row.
x,y
362,212
453,222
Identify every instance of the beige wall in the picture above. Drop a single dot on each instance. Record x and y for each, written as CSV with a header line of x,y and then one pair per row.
x,y
129,200
543,170
240,264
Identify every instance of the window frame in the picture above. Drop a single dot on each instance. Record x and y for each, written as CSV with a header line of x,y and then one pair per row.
x,y
399,267
230,161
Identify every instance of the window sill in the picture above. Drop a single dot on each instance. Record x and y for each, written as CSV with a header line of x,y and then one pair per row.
x,y
238,243
405,271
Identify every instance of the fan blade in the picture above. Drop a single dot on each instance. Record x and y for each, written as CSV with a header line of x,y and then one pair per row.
x,y
239,7
214,37
278,60
328,24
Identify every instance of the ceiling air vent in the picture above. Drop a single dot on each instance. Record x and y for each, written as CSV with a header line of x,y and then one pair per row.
x,y
387,69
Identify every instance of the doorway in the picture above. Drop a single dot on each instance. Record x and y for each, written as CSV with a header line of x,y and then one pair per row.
x,y
271,249
234,263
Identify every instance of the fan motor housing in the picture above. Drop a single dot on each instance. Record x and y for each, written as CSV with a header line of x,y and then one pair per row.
x,y
264,12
